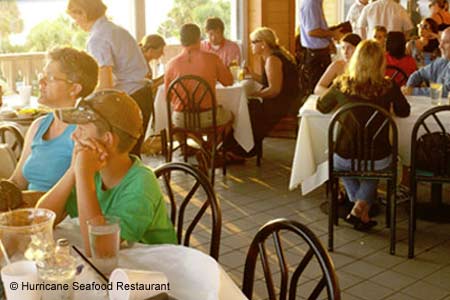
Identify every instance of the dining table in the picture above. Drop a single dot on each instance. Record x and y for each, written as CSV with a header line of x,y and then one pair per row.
x,y
11,103
232,98
192,274
310,164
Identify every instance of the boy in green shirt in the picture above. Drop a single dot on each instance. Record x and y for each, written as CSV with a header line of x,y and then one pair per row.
x,y
103,178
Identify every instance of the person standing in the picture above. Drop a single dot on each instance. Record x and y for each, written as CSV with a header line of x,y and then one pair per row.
x,y
122,64
228,51
316,38
354,12
387,13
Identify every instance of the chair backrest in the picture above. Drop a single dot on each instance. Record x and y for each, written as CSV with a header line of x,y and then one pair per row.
x,y
192,93
8,161
10,135
190,189
397,74
434,152
314,249
363,126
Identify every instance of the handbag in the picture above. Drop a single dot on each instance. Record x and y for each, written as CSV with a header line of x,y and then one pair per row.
x,y
433,153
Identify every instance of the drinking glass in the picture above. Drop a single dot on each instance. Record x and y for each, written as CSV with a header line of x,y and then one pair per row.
x,y
235,71
27,233
104,241
435,92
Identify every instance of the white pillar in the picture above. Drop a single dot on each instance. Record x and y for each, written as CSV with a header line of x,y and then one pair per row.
x,y
139,18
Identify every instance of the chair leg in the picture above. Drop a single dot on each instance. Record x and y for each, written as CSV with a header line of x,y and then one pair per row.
x,y
412,217
259,153
388,205
392,187
332,213
224,154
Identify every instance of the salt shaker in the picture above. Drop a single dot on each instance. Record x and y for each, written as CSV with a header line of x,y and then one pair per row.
x,y
58,268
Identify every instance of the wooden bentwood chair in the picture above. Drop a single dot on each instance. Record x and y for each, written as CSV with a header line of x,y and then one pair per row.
x,y
363,134
189,188
397,74
315,252
436,170
9,134
191,92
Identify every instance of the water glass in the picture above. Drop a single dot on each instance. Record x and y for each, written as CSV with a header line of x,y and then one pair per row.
x,y
24,94
435,92
104,241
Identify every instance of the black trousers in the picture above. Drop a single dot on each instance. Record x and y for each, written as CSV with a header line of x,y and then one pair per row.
x,y
144,99
263,117
316,62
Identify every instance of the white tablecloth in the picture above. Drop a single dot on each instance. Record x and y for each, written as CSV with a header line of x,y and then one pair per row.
x,y
232,98
310,164
192,274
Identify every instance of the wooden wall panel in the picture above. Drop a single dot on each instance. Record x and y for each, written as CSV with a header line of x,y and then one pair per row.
x,y
276,14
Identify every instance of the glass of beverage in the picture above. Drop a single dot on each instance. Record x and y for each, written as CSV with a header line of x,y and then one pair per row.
x,y
104,241
27,233
235,70
435,92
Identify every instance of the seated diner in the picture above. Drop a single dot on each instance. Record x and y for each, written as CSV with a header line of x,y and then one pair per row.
x,y
364,81
104,179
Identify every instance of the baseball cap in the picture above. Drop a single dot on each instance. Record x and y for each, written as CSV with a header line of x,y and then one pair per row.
x,y
114,107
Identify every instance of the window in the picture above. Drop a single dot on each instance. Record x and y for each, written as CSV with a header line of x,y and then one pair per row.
x,y
166,17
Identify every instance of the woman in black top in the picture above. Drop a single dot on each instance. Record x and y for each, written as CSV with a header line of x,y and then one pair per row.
x,y
280,85
364,81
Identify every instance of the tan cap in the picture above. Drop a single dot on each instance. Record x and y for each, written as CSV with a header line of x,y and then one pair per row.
x,y
115,107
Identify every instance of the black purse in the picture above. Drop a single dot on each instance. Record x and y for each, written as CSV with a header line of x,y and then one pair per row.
x,y
433,153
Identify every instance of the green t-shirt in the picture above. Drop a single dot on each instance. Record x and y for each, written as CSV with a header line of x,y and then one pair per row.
x,y
138,202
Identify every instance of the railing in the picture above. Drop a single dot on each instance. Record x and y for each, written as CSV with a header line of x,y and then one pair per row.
x,y
21,65
24,67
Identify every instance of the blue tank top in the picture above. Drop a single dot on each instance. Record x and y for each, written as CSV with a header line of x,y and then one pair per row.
x,y
49,159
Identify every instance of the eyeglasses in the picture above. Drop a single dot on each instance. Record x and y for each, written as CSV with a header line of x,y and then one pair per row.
x,y
423,26
94,115
51,78
84,106
256,41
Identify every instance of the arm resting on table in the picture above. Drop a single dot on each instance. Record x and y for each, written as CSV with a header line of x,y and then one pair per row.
x,y
56,198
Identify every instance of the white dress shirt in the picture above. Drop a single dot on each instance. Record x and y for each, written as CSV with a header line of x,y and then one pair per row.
x,y
387,13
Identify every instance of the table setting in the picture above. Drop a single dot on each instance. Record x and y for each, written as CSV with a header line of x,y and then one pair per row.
x,y
21,109
310,163
34,266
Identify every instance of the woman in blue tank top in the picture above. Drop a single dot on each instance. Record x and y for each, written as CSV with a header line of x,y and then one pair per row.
x,y
47,153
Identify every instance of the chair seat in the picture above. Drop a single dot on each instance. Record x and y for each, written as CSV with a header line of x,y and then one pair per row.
x,y
365,175
430,177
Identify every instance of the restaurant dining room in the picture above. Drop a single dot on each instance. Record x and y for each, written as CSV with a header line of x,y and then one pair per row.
x,y
225,149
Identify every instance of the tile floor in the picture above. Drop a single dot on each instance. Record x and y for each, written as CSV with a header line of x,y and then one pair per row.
x,y
250,196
